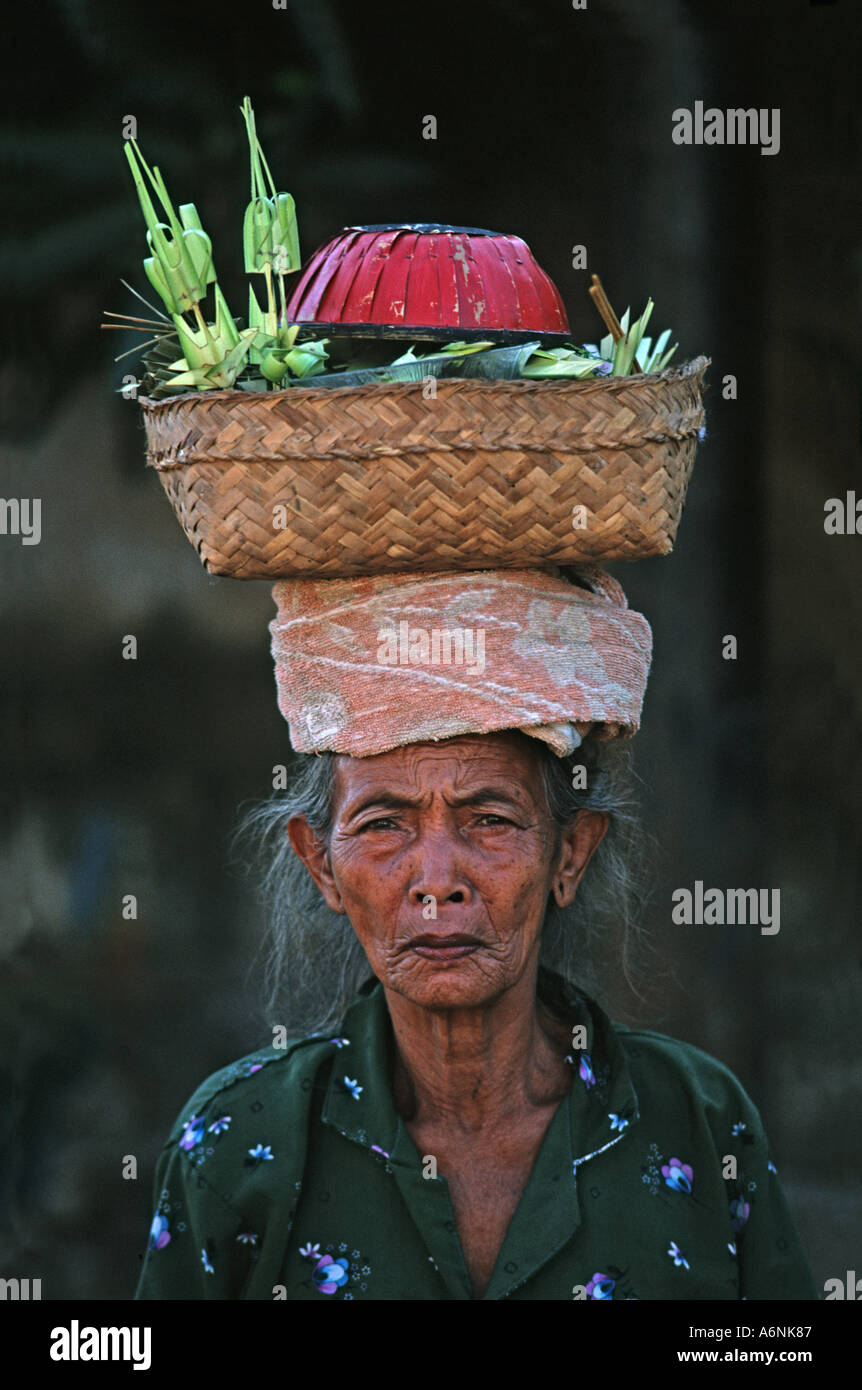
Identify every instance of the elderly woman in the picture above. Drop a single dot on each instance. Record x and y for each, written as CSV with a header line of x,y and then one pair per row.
x,y
464,1121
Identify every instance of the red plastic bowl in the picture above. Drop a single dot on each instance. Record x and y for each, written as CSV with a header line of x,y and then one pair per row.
x,y
428,281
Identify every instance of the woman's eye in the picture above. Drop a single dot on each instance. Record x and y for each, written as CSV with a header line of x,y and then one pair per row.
x,y
489,818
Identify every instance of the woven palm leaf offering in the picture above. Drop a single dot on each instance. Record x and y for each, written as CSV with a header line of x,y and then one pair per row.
x,y
416,402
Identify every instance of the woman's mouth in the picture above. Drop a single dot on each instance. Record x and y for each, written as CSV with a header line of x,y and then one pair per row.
x,y
445,947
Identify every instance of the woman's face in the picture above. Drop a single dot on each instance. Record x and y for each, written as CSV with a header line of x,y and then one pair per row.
x,y
443,857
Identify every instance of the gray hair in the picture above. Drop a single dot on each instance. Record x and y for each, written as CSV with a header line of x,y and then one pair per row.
x,y
315,964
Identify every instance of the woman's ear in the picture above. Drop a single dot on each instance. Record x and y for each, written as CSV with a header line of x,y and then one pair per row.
x,y
578,843
311,849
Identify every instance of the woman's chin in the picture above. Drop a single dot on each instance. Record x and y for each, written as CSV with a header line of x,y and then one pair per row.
x,y
450,984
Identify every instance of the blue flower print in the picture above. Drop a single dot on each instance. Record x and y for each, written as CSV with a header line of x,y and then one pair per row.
x,y
353,1087
330,1275
206,1263
159,1233
739,1213
617,1123
585,1071
248,1238
219,1126
601,1286
193,1132
340,1042
738,1128
259,1154
677,1256
678,1175
309,1251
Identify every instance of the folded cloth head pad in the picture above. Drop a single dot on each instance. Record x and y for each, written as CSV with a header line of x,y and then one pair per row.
x,y
365,665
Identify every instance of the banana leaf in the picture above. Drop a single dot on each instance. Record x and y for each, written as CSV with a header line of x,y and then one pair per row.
x,y
562,362
495,364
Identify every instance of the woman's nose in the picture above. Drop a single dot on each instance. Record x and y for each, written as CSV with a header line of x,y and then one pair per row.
x,y
437,871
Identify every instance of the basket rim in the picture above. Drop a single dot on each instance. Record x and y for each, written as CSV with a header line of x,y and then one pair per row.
x,y
695,366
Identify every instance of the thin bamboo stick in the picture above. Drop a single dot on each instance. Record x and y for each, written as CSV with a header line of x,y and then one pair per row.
x,y
601,302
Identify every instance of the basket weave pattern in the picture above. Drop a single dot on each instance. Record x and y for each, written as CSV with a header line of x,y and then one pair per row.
x,y
381,478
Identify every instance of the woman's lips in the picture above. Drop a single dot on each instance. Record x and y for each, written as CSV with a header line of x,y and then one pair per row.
x,y
445,948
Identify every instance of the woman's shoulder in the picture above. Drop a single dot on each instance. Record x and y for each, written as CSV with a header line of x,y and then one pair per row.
x,y
283,1071
666,1067
230,1168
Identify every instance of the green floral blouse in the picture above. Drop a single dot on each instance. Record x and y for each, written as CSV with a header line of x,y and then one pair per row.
x,y
290,1175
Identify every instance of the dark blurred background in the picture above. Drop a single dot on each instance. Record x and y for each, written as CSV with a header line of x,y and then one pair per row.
x,y
126,777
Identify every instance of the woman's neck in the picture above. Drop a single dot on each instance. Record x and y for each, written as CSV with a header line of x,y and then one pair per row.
x,y
477,1068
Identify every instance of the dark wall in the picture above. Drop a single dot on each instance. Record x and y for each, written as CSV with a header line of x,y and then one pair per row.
x,y
126,776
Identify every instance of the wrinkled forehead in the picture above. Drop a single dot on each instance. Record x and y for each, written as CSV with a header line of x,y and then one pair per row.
x,y
508,760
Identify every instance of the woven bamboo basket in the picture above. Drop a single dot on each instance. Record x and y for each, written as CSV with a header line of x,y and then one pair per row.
x,y
382,478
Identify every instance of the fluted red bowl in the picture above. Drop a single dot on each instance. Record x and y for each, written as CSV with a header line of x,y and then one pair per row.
x,y
428,281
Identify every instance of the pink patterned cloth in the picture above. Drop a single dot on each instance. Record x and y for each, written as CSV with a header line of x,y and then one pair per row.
x,y
365,665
